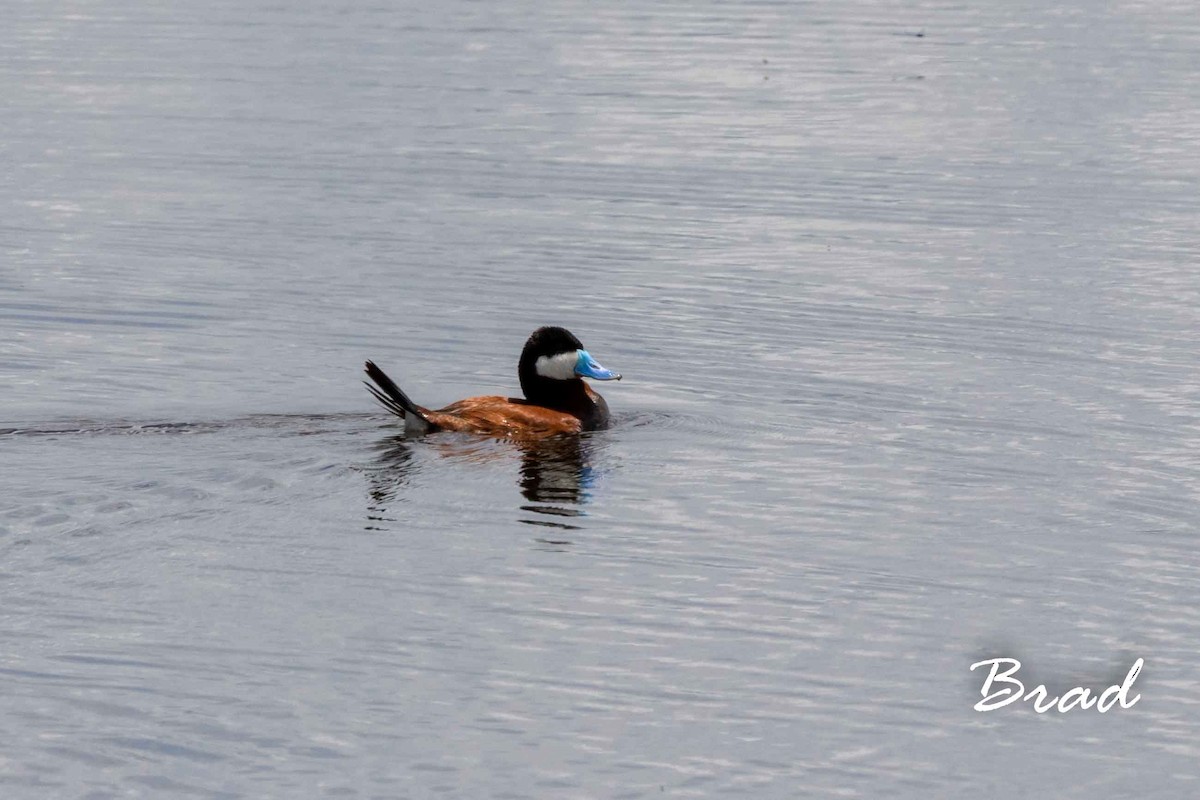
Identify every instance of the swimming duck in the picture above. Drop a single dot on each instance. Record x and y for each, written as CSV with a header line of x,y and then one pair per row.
x,y
552,366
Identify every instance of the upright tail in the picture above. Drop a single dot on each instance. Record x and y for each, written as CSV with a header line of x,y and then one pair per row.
x,y
393,398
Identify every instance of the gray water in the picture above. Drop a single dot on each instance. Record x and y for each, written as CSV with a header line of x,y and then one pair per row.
x,y
906,299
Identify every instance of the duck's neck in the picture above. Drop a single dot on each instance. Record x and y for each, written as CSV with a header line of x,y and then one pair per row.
x,y
570,397
559,395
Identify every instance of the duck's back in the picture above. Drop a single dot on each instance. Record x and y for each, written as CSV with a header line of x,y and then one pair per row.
x,y
503,416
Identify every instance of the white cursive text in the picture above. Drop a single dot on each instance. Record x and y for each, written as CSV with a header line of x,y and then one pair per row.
x,y
1012,690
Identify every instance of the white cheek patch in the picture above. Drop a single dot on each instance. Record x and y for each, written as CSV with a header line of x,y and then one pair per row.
x,y
560,367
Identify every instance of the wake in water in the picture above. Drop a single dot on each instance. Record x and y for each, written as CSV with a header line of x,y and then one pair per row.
x,y
300,423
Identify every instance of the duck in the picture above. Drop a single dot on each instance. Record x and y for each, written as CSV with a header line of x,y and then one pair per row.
x,y
557,401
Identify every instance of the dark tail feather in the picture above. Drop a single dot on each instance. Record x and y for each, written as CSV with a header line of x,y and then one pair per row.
x,y
390,395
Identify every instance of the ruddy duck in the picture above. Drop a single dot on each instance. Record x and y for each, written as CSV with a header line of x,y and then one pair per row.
x,y
557,400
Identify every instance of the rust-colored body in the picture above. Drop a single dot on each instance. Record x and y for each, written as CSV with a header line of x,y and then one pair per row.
x,y
510,417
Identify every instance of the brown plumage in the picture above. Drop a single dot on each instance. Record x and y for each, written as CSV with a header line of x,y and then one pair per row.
x,y
505,416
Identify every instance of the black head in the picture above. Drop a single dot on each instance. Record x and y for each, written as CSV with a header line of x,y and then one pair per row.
x,y
552,364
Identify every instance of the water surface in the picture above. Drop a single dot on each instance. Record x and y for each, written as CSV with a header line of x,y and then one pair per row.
x,y
905,300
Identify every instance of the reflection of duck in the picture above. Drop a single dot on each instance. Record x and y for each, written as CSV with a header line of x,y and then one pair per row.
x,y
557,401
393,472
555,474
